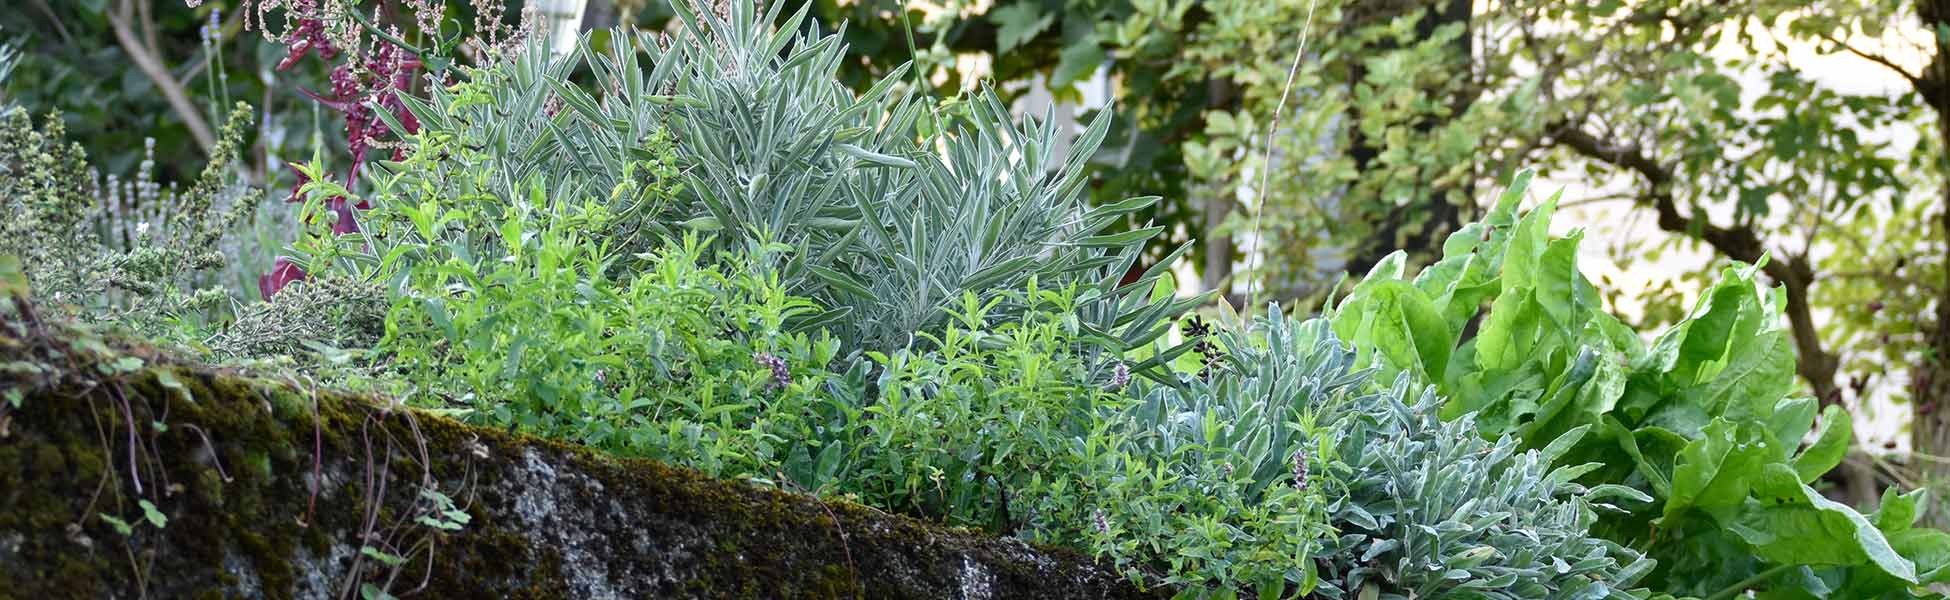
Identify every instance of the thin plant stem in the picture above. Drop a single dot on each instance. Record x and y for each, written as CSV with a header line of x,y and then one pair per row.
x,y
920,78
1266,162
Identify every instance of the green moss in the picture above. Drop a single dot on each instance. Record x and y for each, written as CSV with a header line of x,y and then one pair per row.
x,y
47,459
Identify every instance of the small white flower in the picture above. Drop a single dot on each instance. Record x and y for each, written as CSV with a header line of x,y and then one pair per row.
x,y
142,228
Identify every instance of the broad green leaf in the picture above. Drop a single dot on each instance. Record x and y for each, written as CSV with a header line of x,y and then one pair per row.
x,y
1389,267
1899,511
1651,449
1830,446
1078,60
1716,470
1563,407
1793,418
1928,549
1523,258
1511,335
1397,321
1017,23
1788,522
118,524
154,516
1557,282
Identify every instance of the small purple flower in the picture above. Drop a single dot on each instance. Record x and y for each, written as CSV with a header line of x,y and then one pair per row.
x,y
1103,524
214,29
781,375
1120,377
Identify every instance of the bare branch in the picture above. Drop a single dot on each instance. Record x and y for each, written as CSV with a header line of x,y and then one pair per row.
x,y
1875,58
179,100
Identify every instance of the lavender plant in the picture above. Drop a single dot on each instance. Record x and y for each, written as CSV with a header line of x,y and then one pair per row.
x,y
1341,487
770,150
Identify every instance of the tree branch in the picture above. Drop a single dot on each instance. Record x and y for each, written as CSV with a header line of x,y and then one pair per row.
x,y
1794,273
1874,58
172,91
148,22
60,28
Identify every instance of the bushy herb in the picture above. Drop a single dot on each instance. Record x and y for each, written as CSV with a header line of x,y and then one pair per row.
x,y
49,196
320,313
661,364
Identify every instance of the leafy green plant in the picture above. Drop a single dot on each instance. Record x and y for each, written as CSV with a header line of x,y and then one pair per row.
x,y
702,248
538,282
1703,419
1341,487
662,364
1212,481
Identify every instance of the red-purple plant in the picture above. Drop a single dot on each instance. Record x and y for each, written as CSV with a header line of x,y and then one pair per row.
x,y
371,80
375,71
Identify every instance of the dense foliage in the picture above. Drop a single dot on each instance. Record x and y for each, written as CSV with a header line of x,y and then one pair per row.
x,y
1705,420
701,247
1812,133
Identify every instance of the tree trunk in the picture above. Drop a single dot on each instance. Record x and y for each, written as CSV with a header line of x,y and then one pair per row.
x,y
1216,272
1930,381
599,15
1218,250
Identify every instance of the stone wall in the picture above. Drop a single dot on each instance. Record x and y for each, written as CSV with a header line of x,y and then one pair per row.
x,y
228,462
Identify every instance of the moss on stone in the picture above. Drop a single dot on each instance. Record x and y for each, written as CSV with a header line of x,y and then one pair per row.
x,y
548,520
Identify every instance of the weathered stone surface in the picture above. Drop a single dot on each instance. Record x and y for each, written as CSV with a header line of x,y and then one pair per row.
x,y
230,462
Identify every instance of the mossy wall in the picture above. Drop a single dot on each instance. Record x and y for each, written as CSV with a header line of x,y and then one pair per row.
x,y
230,462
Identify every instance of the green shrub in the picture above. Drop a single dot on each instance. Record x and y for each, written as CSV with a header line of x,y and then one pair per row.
x,y
667,363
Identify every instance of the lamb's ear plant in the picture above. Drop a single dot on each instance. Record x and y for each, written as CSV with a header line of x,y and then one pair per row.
x,y
1219,470
1426,508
